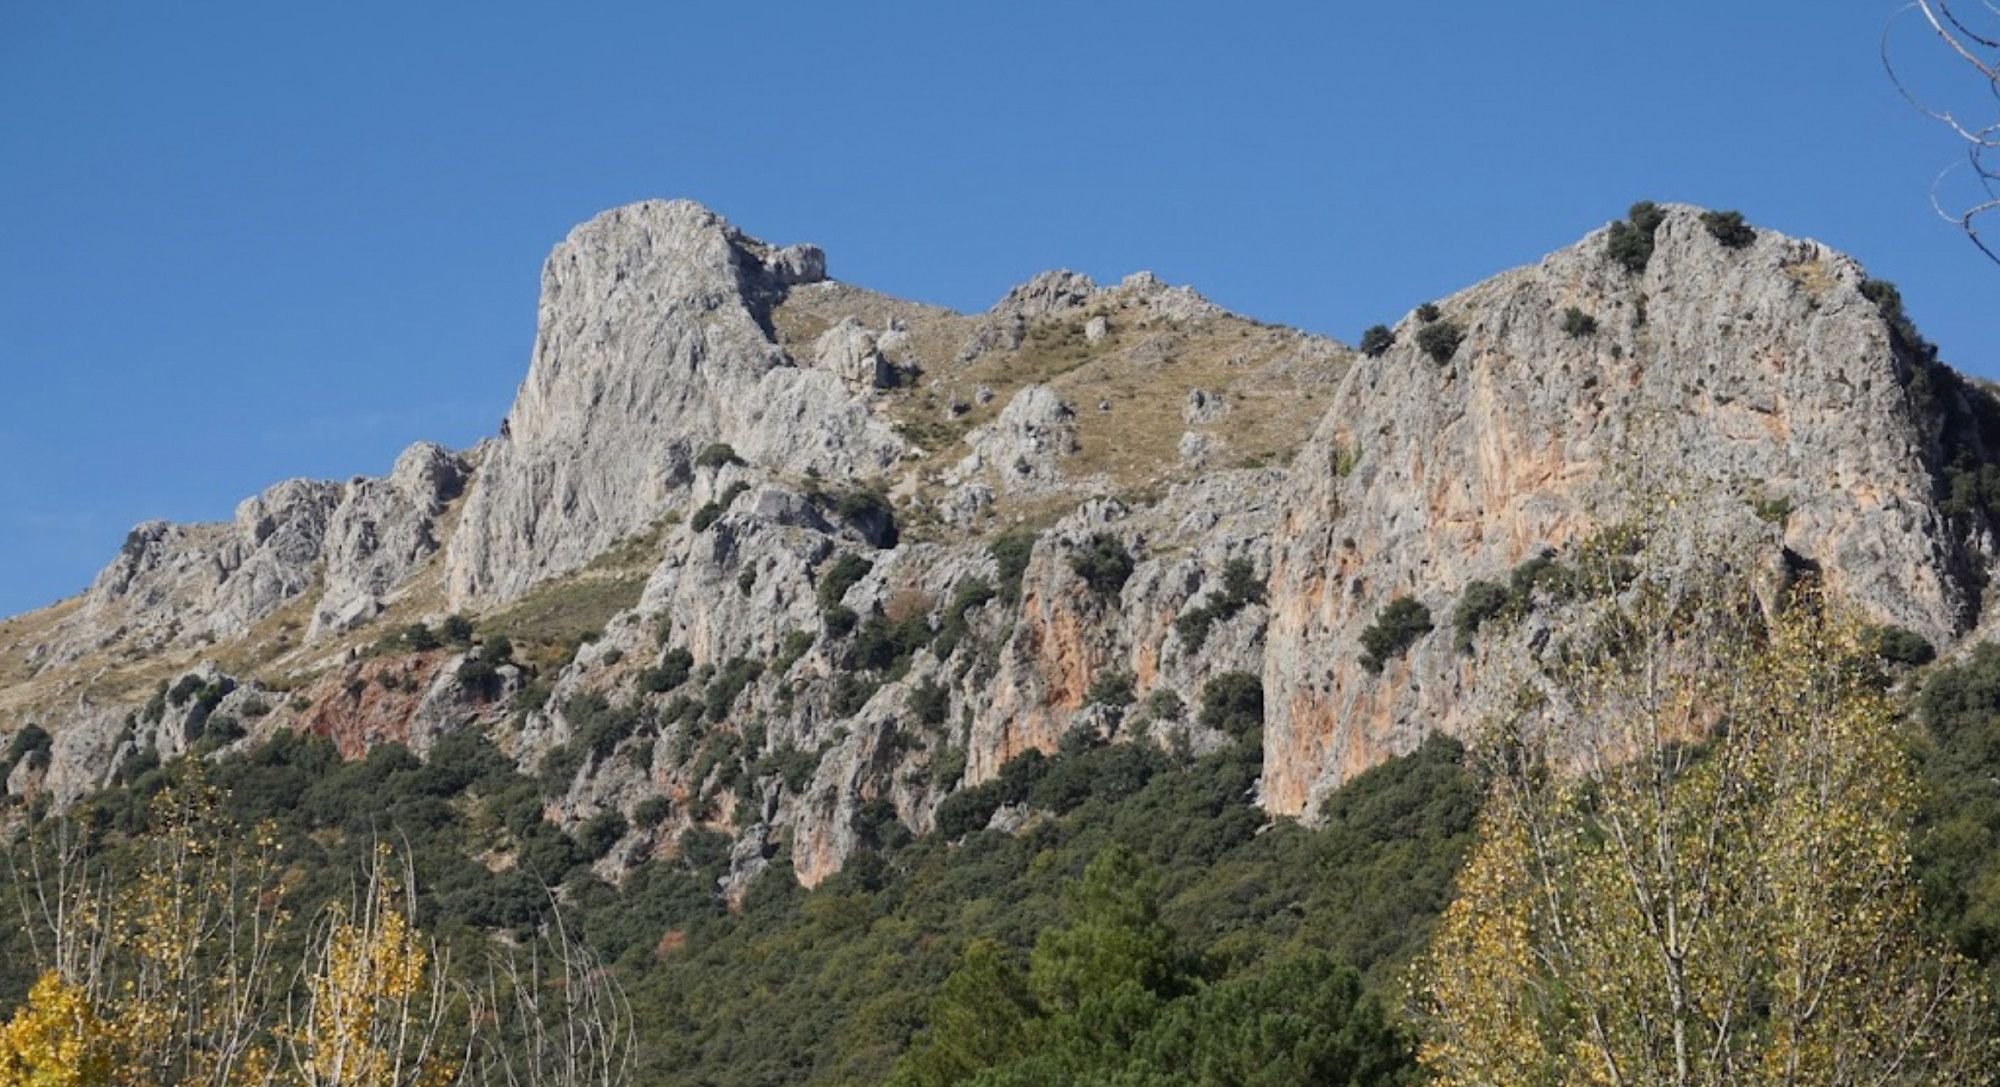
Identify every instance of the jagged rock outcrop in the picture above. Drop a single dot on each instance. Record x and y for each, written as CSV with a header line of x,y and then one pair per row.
x,y
1204,407
1024,448
172,584
1047,294
346,546
382,530
653,343
849,352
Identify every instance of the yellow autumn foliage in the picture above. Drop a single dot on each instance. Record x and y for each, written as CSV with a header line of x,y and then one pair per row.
x,y
376,1006
1692,869
55,1040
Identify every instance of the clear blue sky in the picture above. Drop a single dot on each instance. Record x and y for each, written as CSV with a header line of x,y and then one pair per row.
x,y
248,242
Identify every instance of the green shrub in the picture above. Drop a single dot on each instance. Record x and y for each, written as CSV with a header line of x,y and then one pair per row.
x,y
1957,853
850,692
790,765
839,621
723,690
1889,303
1240,588
675,666
717,455
32,745
795,646
930,701
947,767
1111,688
1428,312
156,706
1578,324
1728,228
964,599
596,836
1774,510
479,677
1901,645
418,638
1164,704
1377,341
971,809
184,689
456,630
712,512
1480,601
1233,703
559,766
1346,457
1103,564
882,646
600,727
1630,243
1440,340
651,812
1538,572
1398,626
865,508
1011,553
845,573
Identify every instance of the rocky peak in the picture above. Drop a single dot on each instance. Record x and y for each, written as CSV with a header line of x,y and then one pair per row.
x,y
1756,389
654,342
1046,294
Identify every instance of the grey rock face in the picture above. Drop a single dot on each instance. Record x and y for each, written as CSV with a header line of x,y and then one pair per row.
x,y
848,351
172,584
1024,447
1047,294
1204,407
382,531
652,344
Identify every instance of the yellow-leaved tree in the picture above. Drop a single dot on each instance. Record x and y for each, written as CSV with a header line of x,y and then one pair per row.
x,y
173,966
1693,866
185,968
55,1040
376,1007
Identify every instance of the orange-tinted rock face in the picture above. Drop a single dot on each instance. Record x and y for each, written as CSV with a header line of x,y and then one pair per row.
x,y
356,709
1059,648
1716,390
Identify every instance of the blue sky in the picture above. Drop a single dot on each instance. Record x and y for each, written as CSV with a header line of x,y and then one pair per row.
x,y
247,242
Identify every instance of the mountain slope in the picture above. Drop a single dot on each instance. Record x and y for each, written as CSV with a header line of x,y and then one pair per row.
x,y
762,553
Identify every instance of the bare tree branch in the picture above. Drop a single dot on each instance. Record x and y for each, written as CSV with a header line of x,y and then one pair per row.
x,y
1973,48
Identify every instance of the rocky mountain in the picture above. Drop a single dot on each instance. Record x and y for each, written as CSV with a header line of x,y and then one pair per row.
x,y
764,552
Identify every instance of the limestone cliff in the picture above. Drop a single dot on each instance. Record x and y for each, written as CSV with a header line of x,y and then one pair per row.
x,y
1761,374
653,343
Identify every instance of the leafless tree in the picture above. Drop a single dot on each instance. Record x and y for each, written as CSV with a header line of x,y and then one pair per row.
x,y
557,1016
1969,35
